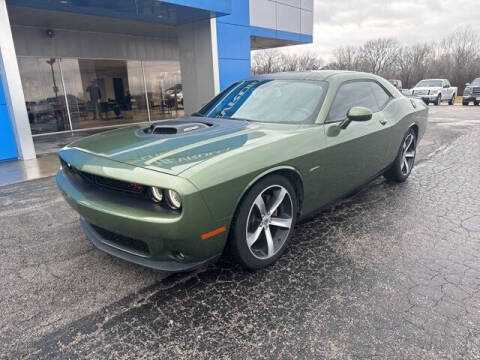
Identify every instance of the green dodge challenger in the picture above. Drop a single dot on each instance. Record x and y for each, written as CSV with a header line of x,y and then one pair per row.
x,y
239,173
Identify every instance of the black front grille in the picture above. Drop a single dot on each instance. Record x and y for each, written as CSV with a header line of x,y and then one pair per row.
x,y
104,182
128,243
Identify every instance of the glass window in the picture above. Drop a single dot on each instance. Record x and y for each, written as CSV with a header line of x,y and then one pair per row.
x,y
380,94
44,94
164,88
98,92
429,83
357,93
275,101
104,92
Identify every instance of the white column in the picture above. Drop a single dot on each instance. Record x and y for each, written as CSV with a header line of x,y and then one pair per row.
x,y
197,44
12,85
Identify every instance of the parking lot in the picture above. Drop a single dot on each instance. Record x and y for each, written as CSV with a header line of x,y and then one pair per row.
x,y
391,272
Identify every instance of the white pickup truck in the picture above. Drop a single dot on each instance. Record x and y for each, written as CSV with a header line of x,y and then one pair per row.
x,y
435,91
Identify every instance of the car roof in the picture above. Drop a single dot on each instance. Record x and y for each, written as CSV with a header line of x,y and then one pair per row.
x,y
314,75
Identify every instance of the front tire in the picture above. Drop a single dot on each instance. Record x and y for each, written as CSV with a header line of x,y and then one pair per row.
x,y
264,222
465,103
452,100
405,160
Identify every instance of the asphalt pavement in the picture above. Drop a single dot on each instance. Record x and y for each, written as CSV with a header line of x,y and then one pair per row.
x,y
391,272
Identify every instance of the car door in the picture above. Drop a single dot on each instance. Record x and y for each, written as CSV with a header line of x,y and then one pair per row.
x,y
356,154
449,90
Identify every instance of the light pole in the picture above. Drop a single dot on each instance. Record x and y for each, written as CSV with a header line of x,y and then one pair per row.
x,y
55,87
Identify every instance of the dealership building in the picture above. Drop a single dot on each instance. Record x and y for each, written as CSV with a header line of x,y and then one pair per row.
x,y
70,67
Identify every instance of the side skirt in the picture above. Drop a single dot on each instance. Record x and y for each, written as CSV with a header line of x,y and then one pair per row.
x,y
310,214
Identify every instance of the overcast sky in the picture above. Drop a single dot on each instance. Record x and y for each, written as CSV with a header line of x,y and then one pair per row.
x,y
352,22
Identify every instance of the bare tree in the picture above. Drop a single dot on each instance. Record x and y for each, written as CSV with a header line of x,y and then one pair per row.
x,y
288,62
265,61
456,57
412,63
269,61
459,55
309,61
346,58
379,56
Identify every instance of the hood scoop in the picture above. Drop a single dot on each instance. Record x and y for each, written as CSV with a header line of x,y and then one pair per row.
x,y
174,128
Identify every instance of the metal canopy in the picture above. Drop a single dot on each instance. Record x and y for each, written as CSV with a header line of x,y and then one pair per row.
x,y
167,12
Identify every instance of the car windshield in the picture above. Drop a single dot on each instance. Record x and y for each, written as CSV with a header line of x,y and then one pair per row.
x,y
429,83
267,100
476,82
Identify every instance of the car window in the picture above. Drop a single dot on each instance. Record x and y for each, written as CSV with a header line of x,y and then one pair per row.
x,y
429,83
381,95
357,93
269,100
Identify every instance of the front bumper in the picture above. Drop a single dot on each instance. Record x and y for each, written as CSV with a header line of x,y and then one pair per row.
x,y
173,241
471,97
430,97
107,246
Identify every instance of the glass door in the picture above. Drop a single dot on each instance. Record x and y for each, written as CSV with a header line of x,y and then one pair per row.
x,y
44,95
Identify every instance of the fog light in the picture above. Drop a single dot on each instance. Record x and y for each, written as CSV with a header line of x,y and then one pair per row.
x,y
157,194
174,200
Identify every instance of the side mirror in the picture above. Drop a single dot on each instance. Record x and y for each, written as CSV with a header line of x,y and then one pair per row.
x,y
446,86
356,113
467,84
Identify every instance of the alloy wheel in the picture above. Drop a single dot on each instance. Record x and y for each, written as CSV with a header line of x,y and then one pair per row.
x,y
269,222
408,154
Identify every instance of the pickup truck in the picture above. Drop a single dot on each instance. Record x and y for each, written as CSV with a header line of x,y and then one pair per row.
x,y
472,93
435,91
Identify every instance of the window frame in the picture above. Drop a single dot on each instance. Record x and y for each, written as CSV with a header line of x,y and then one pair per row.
x,y
390,98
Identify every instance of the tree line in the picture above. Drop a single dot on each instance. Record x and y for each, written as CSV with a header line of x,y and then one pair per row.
x,y
455,57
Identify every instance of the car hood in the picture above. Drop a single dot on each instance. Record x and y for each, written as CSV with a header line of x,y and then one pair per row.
x,y
175,153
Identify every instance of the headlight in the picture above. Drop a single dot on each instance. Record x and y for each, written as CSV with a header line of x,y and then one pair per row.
x,y
468,90
157,194
173,199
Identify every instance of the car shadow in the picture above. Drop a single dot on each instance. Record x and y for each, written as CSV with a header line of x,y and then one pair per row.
x,y
224,304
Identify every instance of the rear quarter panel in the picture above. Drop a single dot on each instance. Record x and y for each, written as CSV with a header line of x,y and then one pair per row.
x,y
407,112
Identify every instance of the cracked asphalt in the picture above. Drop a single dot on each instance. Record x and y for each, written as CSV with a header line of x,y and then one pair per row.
x,y
391,272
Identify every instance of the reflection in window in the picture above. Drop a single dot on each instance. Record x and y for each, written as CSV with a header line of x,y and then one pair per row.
x,y
276,101
104,92
44,96
357,93
164,88
99,92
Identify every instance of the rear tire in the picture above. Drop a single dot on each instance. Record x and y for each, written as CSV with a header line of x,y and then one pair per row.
x,y
405,160
264,222
476,103
452,100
